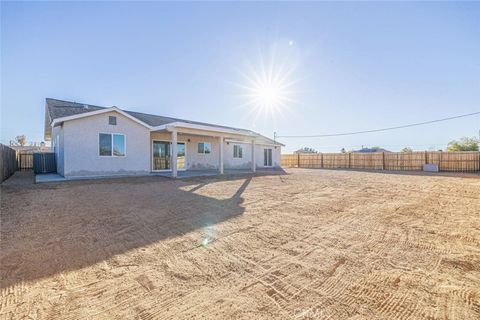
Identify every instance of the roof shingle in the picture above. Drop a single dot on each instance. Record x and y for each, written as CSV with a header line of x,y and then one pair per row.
x,y
60,108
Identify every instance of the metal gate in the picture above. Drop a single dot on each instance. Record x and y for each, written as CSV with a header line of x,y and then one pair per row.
x,y
44,163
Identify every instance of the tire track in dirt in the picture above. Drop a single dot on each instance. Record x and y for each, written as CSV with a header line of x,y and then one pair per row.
x,y
279,256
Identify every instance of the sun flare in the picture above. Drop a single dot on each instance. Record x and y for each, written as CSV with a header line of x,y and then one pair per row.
x,y
268,86
268,95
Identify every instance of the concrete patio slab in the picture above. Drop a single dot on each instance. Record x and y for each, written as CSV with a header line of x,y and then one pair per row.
x,y
200,173
49,177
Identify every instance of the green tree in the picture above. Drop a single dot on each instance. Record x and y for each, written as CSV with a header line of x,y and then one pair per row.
x,y
407,149
465,144
20,140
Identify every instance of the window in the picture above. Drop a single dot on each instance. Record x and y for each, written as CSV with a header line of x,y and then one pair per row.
x,y
112,120
204,147
237,151
112,145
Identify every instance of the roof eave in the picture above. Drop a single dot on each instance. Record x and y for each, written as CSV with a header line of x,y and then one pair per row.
x,y
97,112
179,124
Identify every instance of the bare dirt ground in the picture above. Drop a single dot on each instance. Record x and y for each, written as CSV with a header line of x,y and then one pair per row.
x,y
310,244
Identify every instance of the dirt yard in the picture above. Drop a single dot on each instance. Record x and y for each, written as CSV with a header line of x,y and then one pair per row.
x,y
310,244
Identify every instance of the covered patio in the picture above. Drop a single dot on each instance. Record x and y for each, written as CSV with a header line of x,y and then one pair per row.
x,y
191,150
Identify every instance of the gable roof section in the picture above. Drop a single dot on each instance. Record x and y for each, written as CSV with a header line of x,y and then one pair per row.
x,y
66,110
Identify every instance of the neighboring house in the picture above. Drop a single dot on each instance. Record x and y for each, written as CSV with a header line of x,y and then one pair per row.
x,y
370,150
97,141
31,149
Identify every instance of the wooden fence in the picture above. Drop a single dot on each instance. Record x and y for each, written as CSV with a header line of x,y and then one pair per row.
x,y
446,161
8,163
24,160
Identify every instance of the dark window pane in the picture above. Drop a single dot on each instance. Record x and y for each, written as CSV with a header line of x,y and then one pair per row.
x,y
105,144
200,147
240,152
119,145
112,120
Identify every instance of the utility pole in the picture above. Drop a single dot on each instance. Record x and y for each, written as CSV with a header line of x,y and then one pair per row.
x,y
275,137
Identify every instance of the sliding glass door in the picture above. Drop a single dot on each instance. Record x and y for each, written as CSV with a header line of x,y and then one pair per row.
x,y
161,155
162,151
267,157
181,159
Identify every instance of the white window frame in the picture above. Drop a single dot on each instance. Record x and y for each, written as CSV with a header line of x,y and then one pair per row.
x,y
239,153
211,150
111,135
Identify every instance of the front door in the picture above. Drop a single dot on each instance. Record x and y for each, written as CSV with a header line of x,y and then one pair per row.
x,y
267,157
161,155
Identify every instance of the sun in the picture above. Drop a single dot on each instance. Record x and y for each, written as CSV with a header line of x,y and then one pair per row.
x,y
268,95
268,87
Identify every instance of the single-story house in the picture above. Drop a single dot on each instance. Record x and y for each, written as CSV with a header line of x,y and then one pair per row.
x,y
90,140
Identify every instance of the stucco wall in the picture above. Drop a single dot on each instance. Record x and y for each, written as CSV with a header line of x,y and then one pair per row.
x,y
78,153
229,162
275,155
81,147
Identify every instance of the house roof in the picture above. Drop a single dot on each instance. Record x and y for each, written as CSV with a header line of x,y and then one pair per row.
x,y
56,109
371,150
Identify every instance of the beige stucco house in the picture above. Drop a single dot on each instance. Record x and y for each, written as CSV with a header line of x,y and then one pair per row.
x,y
100,141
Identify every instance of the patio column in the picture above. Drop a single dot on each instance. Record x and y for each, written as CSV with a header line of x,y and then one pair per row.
x,y
174,153
254,167
220,156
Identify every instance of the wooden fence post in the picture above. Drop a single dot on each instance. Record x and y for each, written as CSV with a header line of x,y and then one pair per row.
x,y
298,160
440,160
349,160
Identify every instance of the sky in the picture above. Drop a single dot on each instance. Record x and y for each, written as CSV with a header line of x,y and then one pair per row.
x,y
334,66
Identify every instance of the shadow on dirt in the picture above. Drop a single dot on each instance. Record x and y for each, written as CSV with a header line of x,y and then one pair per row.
x,y
53,228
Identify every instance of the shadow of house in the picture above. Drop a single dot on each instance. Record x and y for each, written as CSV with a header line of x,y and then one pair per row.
x,y
51,229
